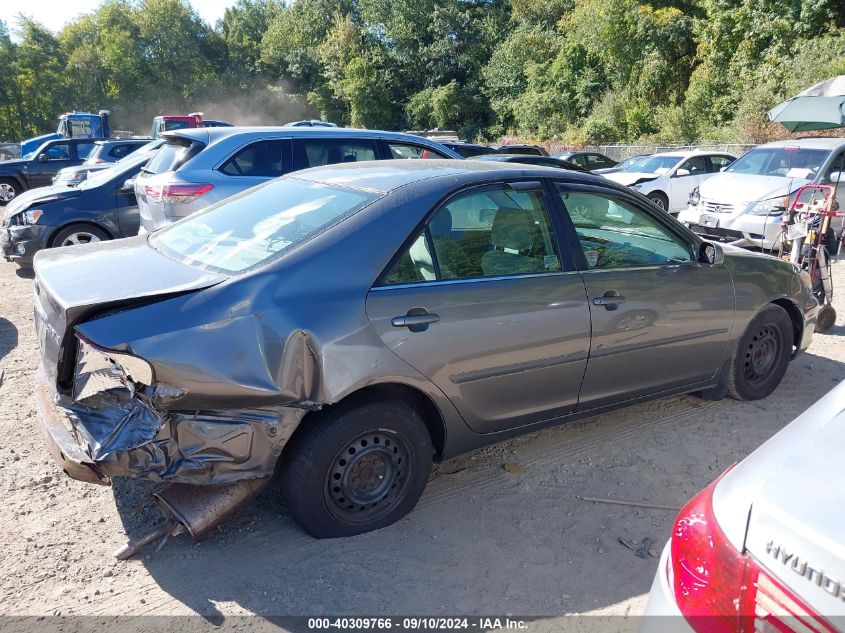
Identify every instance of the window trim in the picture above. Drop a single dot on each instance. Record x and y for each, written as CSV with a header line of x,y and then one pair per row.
x,y
388,154
567,262
683,234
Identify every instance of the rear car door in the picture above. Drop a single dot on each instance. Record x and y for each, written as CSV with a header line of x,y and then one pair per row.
x,y
660,320
483,302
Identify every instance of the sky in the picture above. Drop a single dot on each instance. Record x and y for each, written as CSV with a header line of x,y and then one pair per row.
x,y
56,13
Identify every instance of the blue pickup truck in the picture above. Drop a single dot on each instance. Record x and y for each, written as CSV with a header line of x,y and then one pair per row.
x,y
72,125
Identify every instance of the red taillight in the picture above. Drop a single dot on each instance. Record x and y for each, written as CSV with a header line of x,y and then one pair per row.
x,y
177,193
722,590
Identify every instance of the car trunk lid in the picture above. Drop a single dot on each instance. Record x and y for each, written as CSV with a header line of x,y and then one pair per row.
x,y
76,282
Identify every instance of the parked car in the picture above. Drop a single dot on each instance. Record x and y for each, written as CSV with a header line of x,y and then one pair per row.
x,y
102,156
525,159
21,174
215,123
516,148
761,548
668,178
357,321
588,160
467,150
197,168
101,208
623,165
742,206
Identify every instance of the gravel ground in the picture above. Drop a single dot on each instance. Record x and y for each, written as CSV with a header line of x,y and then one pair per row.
x,y
483,540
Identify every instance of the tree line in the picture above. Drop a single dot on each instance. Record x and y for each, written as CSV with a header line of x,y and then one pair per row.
x,y
579,71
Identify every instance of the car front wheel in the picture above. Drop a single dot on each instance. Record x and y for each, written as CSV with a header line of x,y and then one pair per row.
x,y
659,200
762,355
8,190
356,468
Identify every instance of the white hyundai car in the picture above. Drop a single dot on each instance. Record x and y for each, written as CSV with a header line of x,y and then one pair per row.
x,y
762,548
744,204
667,179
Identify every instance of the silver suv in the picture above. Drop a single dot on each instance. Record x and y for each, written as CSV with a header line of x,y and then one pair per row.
x,y
201,166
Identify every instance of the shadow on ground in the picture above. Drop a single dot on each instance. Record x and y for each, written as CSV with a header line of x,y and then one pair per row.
x,y
482,540
8,337
25,273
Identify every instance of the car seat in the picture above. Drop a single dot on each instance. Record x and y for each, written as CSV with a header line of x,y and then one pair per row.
x,y
512,239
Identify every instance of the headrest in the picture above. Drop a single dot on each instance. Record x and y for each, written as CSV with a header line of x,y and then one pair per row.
x,y
513,230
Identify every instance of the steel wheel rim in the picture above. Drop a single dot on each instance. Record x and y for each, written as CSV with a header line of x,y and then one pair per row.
x,y
80,237
761,354
369,476
7,192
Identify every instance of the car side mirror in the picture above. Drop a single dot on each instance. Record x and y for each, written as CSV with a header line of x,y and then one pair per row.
x,y
711,254
128,186
836,176
43,158
682,172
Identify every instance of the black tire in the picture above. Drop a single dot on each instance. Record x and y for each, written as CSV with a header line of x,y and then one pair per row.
x,y
356,468
659,199
9,188
78,234
825,319
762,355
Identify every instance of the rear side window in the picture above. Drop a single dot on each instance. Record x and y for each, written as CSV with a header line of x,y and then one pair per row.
x,y
259,160
172,155
324,151
404,150
489,233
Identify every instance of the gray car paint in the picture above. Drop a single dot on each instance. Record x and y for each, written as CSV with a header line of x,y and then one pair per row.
x,y
307,329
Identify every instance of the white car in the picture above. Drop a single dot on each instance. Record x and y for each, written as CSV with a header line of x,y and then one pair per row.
x,y
743,205
762,548
667,179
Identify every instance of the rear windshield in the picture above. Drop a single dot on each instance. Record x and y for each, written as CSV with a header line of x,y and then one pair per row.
x,y
259,224
787,162
172,155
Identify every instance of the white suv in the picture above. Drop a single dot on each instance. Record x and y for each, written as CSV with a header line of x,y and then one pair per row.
x,y
743,205
667,179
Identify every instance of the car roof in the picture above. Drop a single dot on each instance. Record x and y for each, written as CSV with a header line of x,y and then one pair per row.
x,y
387,175
217,134
826,142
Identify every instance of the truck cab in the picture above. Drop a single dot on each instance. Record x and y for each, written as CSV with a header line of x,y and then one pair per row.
x,y
72,125
168,122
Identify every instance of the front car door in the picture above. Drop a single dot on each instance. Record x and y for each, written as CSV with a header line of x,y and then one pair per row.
x,y
483,302
49,162
660,320
686,177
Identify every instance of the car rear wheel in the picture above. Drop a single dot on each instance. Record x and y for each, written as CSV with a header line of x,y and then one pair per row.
x,y
762,355
8,190
79,234
356,468
659,200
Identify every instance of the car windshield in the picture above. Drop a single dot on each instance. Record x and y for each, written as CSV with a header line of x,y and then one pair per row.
x,y
629,162
259,224
654,164
786,162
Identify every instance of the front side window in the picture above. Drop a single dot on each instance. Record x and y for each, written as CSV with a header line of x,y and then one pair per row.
x,y
58,151
119,151
696,166
488,233
259,224
616,234
404,150
317,152
259,160
718,163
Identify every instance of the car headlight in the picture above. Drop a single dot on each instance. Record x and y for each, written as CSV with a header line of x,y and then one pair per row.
x,y
694,197
772,206
31,217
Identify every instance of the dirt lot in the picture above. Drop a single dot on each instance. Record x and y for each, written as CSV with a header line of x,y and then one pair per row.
x,y
482,541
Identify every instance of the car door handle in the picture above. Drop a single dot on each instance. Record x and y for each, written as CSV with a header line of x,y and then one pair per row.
x,y
411,320
610,300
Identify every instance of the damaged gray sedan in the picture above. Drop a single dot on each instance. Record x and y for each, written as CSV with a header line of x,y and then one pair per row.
x,y
346,326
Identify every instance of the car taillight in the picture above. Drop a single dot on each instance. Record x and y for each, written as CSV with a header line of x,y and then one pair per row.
x,y
722,590
177,193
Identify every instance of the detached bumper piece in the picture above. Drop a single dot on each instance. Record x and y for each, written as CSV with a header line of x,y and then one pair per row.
x,y
716,233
